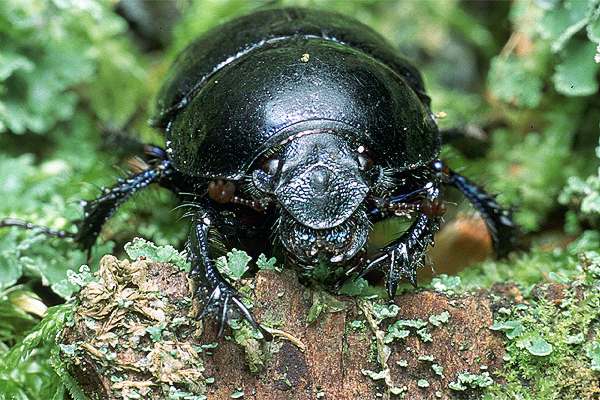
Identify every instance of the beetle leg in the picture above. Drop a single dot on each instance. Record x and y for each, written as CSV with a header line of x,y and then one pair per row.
x,y
218,294
99,210
471,140
403,255
498,220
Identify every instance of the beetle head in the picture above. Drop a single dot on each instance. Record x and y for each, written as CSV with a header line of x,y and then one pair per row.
x,y
319,183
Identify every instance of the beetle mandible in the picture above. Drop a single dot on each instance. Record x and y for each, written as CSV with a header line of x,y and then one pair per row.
x,y
305,123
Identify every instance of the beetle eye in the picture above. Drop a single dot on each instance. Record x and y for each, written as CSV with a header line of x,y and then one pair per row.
x,y
271,166
365,161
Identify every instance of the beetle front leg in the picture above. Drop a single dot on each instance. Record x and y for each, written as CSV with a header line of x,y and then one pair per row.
x,y
403,255
218,294
96,212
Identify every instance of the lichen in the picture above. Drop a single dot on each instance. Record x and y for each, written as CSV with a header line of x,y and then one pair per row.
x,y
139,335
549,334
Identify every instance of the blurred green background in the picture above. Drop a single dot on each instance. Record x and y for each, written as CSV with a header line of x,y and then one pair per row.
x,y
521,77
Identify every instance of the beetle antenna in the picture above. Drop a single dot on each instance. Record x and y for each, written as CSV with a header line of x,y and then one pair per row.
x,y
22,224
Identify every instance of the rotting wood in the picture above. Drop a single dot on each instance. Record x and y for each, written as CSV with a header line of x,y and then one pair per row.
x,y
325,359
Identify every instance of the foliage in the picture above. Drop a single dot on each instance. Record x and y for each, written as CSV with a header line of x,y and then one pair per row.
x,y
52,47
26,371
167,254
73,69
234,264
524,74
584,197
14,317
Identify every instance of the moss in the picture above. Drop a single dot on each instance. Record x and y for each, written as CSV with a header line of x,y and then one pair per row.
x,y
548,334
255,348
527,78
524,269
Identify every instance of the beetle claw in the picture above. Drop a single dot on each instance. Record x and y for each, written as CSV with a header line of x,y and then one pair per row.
x,y
219,302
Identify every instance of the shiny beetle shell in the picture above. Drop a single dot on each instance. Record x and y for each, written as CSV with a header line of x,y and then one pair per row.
x,y
286,71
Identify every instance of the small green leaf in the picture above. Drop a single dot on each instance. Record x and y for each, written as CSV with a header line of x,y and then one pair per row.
x,y
354,287
395,332
439,319
423,383
575,339
412,323
538,346
593,29
383,311
446,283
576,74
323,302
358,325
264,264
466,380
425,335
11,270
238,394
511,329
10,62
155,332
560,23
376,376
314,311
139,247
513,83
237,261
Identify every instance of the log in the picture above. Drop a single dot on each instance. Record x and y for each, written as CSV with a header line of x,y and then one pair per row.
x,y
133,335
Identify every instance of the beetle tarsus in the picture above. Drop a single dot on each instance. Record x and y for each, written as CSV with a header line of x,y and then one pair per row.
x,y
403,255
22,224
210,280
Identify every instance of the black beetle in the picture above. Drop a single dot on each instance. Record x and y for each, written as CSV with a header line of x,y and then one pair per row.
x,y
306,123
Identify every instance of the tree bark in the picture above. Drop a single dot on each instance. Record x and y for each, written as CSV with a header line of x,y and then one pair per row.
x,y
132,335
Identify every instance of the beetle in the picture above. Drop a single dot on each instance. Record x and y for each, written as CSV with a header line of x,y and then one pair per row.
x,y
304,124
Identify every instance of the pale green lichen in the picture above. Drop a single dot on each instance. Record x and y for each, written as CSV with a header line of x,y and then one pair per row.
x,y
548,341
142,248
467,380
439,319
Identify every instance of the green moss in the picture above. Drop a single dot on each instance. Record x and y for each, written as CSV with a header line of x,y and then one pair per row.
x,y
139,247
253,344
468,380
323,302
548,339
29,362
66,67
528,269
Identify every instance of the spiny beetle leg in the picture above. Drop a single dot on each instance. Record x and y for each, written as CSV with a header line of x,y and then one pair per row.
x,y
218,295
499,222
99,210
403,255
